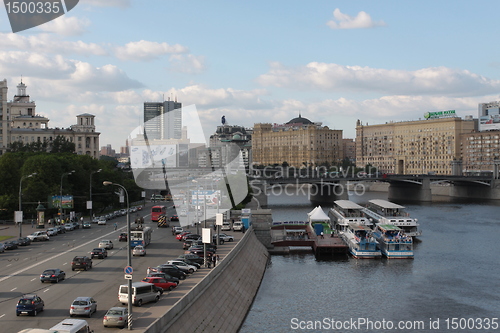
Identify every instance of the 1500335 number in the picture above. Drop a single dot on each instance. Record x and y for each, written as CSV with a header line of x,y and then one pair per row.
x,y
472,323
32,7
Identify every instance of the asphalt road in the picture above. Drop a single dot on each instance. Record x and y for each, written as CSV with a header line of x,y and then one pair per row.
x,y
21,268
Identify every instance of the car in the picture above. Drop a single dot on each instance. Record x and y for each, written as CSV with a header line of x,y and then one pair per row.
x,y
166,276
139,250
86,225
225,237
199,251
191,236
190,262
81,262
39,236
52,232
60,229
106,244
183,213
69,227
102,220
172,270
238,226
76,225
191,257
188,243
23,241
225,226
122,237
177,230
174,218
52,275
183,266
83,306
29,304
99,253
182,234
10,245
116,317
2,248
160,282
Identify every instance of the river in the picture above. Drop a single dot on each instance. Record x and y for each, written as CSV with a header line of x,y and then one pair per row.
x,y
452,284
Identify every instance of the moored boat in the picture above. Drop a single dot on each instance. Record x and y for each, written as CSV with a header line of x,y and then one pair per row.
x,y
344,212
393,243
362,244
386,212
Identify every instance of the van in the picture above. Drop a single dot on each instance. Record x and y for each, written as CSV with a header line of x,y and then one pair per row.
x,y
72,326
238,226
142,292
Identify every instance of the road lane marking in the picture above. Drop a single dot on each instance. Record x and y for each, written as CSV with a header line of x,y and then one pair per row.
x,y
13,289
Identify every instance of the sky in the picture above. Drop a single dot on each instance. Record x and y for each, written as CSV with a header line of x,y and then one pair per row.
x,y
257,61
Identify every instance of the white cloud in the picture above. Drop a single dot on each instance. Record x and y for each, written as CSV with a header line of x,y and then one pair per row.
x,y
48,43
147,50
334,77
187,63
66,25
344,21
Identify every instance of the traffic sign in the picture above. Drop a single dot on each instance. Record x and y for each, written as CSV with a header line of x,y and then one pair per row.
x,y
128,270
128,276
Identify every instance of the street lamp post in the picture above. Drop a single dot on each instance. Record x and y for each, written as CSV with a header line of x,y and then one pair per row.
x,y
129,253
20,202
60,192
90,203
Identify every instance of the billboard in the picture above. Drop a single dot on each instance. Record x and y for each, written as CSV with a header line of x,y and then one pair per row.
x,y
440,114
200,197
489,122
153,155
55,201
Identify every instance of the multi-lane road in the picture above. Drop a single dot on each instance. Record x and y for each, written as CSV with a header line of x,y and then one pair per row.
x,y
20,270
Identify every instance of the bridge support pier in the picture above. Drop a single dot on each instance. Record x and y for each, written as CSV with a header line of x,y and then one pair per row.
x,y
478,191
259,188
328,192
405,191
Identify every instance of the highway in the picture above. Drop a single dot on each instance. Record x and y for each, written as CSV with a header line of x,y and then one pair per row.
x,y
21,269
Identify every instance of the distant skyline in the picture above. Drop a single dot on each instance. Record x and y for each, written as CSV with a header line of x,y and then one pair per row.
x,y
332,62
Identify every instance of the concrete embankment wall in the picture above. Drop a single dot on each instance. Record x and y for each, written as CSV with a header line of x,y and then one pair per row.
x,y
220,302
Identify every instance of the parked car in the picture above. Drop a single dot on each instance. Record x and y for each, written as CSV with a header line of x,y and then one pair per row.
x,y
10,245
182,234
183,266
172,270
29,304
52,232
23,241
99,253
2,248
76,225
101,220
183,213
86,225
39,236
190,262
188,243
225,237
81,262
116,317
166,276
177,230
160,282
106,244
139,250
225,226
122,237
191,236
52,275
83,306
192,257
60,229
238,226
69,227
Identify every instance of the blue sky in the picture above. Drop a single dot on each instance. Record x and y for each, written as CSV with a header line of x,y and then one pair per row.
x,y
257,61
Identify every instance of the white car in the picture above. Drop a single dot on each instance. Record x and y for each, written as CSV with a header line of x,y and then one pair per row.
x,y
38,236
226,237
183,213
225,226
106,244
69,227
102,220
139,250
182,265
52,231
238,226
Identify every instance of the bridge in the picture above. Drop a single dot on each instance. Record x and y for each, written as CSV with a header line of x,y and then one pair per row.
x,y
410,187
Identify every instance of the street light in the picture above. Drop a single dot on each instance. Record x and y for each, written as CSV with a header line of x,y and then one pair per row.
x,y
60,192
90,203
129,253
20,202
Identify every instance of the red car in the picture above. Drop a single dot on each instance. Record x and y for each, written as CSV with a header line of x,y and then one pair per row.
x,y
182,234
160,282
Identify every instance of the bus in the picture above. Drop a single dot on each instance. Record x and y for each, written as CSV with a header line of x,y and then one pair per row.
x,y
156,211
140,236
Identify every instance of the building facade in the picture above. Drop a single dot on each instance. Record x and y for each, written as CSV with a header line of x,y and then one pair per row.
x,y
225,144
412,147
163,120
349,149
25,126
299,143
481,151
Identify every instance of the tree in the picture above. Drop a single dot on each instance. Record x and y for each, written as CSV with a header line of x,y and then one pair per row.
x,y
61,145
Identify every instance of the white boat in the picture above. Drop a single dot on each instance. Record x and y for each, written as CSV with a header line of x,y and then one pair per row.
x,y
344,212
393,243
362,244
386,212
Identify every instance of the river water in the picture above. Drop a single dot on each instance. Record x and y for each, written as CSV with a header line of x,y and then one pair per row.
x,y
452,284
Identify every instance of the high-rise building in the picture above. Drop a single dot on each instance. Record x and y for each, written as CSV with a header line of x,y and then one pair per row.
x,y
4,117
163,120
300,142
